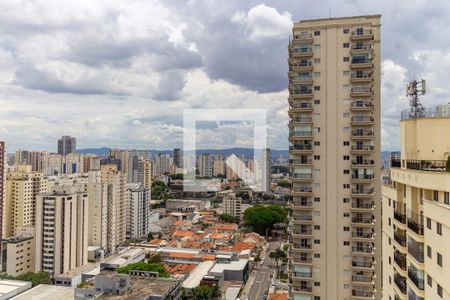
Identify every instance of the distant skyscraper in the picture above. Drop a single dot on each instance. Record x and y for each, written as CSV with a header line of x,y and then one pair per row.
x,y
205,165
22,157
178,158
66,145
61,230
267,173
139,211
334,159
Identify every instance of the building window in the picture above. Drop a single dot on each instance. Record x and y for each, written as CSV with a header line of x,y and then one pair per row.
x,y
389,221
316,143
316,283
346,157
428,223
429,251
435,195
439,228
316,129
316,241
346,200
346,30
317,87
346,143
316,227
316,199
346,171
316,33
346,73
439,290
316,297
316,74
346,45
429,280
346,243
439,259
316,157
446,198
346,228
390,262
346,186
346,59
317,46
389,201
316,101
317,60
346,215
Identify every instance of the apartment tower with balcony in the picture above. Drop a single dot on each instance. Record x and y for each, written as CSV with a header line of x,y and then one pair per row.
x,y
334,149
416,212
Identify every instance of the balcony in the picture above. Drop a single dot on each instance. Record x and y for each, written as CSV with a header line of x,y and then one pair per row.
x,y
361,91
301,119
361,105
400,260
300,134
299,161
294,80
301,107
301,148
416,250
298,52
302,275
362,149
400,282
427,165
300,219
362,134
361,77
361,34
363,250
302,246
302,204
303,37
301,259
363,162
302,65
306,190
362,177
301,233
301,176
362,235
362,205
302,289
361,48
362,294
400,238
414,277
361,191
415,223
362,120
360,220
362,279
362,264
399,216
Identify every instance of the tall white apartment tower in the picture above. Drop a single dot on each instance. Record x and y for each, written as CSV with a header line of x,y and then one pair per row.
x,y
334,136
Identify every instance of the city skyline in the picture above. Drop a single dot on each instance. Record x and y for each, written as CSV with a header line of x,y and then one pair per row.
x,y
105,93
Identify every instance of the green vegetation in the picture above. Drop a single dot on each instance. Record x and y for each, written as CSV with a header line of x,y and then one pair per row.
x,y
155,259
285,183
228,218
149,237
278,255
35,278
176,176
243,195
143,266
202,292
159,190
260,217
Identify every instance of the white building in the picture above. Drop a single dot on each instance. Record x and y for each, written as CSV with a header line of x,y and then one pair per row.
x,y
138,212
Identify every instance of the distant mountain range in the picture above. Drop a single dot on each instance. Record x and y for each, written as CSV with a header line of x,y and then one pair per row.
x,y
247,152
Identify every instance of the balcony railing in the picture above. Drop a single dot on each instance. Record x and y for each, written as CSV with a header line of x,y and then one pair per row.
x,y
305,288
400,260
415,278
362,220
362,204
301,175
400,238
300,78
363,191
303,274
427,165
399,216
361,46
302,232
363,147
359,104
366,294
362,119
400,282
358,75
302,119
303,203
362,264
415,223
302,189
301,147
360,89
306,161
416,250
363,133
365,162
306,218
302,92
362,249
363,235
300,133
358,60
302,50
363,176
301,106
358,32
303,36
362,278
302,246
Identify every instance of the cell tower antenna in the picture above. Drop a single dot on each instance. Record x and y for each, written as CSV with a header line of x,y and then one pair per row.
x,y
414,89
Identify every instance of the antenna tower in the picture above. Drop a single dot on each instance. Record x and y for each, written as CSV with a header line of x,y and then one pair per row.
x,y
413,90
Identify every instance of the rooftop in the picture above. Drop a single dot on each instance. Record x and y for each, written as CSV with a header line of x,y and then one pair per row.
x,y
234,265
196,276
141,287
47,292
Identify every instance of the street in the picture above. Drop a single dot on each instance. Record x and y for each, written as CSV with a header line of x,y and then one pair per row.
x,y
263,275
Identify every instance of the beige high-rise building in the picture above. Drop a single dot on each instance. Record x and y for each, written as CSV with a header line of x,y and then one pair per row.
x,y
148,174
232,205
22,187
416,213
117,205
98,210
61,233
20,251
3,158
334,136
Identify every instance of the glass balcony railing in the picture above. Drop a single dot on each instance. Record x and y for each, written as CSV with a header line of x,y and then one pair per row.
x,y
400,282
301,147
363,147
416,277
400,260
416,250
300,133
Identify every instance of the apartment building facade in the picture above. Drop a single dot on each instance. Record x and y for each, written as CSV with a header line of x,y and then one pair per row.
x,y
22,187
334,150
138,217
232,205
61,230
416,213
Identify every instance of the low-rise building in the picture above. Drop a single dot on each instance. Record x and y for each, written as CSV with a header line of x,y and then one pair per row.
x,y
11,288
47,292
19,251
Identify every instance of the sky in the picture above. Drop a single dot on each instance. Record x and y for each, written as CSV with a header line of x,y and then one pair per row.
x,y
120,73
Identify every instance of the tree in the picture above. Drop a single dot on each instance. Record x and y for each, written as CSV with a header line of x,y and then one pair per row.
x,y
202,292
35,278
285,183
159,190
149,237
227,218
277,255
260,217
